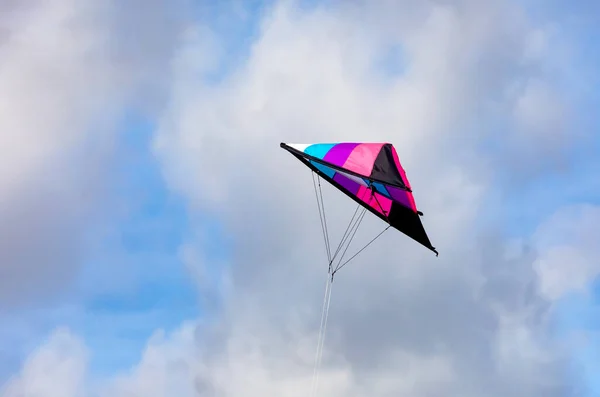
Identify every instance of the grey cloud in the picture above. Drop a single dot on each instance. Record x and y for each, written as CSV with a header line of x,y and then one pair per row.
x,y
69,71
308,80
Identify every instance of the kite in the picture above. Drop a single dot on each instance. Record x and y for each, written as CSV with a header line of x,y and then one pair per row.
x,y
371,175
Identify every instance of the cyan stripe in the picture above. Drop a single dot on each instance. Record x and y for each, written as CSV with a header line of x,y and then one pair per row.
x,y
319,150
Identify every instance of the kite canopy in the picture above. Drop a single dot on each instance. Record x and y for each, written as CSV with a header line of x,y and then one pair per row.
x,y
370,174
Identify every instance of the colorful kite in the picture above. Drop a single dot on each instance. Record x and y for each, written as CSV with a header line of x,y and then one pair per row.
x,y
370,174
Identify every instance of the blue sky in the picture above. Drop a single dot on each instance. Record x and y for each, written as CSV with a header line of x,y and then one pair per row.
x,y
134,281
153,289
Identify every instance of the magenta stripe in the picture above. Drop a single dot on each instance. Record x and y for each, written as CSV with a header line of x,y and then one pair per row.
x,y
338,154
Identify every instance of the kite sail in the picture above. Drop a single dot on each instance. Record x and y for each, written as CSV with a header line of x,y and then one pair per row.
x,y
370,174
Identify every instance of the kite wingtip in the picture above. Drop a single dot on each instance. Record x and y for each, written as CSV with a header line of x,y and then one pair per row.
x,y
434,250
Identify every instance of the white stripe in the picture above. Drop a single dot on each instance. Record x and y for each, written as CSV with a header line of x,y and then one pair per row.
x,y
298,146
356,179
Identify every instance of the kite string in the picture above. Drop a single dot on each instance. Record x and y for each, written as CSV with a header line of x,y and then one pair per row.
x,y
324,334
321,340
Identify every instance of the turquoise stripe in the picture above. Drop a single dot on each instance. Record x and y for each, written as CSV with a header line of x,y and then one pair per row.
x,y
330,172
380,188
319,150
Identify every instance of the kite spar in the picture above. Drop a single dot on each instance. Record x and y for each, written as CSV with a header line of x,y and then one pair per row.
x,y
372,176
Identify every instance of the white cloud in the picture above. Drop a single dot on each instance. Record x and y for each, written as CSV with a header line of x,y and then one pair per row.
x,y
168,367
568,240
57,369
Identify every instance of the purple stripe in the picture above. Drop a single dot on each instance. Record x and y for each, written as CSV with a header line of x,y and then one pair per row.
x,y
346,183
338,154
399,195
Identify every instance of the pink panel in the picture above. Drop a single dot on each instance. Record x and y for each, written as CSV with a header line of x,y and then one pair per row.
x,y
379,204
362,158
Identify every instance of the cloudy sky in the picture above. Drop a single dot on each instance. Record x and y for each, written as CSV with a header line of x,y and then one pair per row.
x,y
156,241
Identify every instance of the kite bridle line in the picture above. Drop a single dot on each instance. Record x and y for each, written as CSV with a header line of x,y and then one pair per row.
x,y
340,265
321,205
346,240
351,229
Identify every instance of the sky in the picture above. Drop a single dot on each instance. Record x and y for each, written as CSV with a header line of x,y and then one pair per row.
x,y
156,241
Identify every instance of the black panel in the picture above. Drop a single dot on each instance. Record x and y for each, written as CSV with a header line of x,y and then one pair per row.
x,y
409,223
385,168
